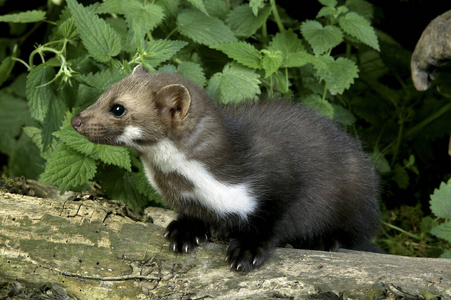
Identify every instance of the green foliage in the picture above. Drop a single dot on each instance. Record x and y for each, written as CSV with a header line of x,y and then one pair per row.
x,y
24,17
441,208
337,64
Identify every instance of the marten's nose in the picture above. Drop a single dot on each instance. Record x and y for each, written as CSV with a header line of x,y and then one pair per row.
x,y
76,122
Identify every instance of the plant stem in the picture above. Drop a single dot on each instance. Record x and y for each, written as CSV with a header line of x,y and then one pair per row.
x,y
429,119
276,15
23,62
402,230
398,141
324,92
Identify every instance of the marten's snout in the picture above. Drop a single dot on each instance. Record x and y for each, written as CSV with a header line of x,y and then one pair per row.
x,y
76,122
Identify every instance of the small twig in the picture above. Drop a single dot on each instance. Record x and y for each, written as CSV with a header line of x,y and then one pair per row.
x,y
118,278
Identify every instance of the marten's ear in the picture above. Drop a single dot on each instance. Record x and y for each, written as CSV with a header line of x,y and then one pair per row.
x,y
139,69
173,101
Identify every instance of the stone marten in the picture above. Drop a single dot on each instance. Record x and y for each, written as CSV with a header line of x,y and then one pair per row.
x,y
265,172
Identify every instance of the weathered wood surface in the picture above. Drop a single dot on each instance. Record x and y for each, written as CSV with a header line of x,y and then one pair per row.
x,y
93,251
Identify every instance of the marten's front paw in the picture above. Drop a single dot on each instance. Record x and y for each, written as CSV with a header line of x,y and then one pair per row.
x,y
185,235
244,257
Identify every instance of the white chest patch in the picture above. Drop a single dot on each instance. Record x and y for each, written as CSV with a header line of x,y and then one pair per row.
x,y
221,197
130,134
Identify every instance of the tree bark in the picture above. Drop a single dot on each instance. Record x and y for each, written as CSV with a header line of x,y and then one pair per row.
x,y
90,249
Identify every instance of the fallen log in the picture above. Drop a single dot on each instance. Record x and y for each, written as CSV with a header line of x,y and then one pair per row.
x,y
91,249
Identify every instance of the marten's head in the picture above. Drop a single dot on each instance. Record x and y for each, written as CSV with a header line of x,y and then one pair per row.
x,y
139,110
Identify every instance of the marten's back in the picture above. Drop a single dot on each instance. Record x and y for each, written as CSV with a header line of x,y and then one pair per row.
x,y
309,173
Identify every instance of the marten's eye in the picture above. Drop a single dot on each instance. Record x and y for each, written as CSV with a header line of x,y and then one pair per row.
x,y
118,110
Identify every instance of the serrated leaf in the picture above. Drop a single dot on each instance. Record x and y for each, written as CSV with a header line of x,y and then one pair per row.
x,y
326,11
192,24
101,41
234,84
360,28
103,79
67,169
271,62
361,7
13,115
35,135
332,3
244,53
321,38
441,201
113,155
117,156
323,107
110,7
342,115
158,51
255,5
217,8
30,16
443,231
380,162
146,16
39,92
293,51
5,68
193,71
68,29
338,74
244,22
75,141
199,4
125,186
53,121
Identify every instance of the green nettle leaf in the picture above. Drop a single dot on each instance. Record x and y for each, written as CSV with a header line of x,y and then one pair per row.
x,y
271,62
112,155
53,121
326,11
110,7
101,41
193,71
199,4
5,68
128,186
158,51
343,115
242,52
35,134
255,5
74,140
293,51
193,24
441,201
103,79
68,169
360,28
361,7
443,231
338,74
321,38
68,29
321,106
332,3
13,115
39,92
30,16
144,15
244,22
234,84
